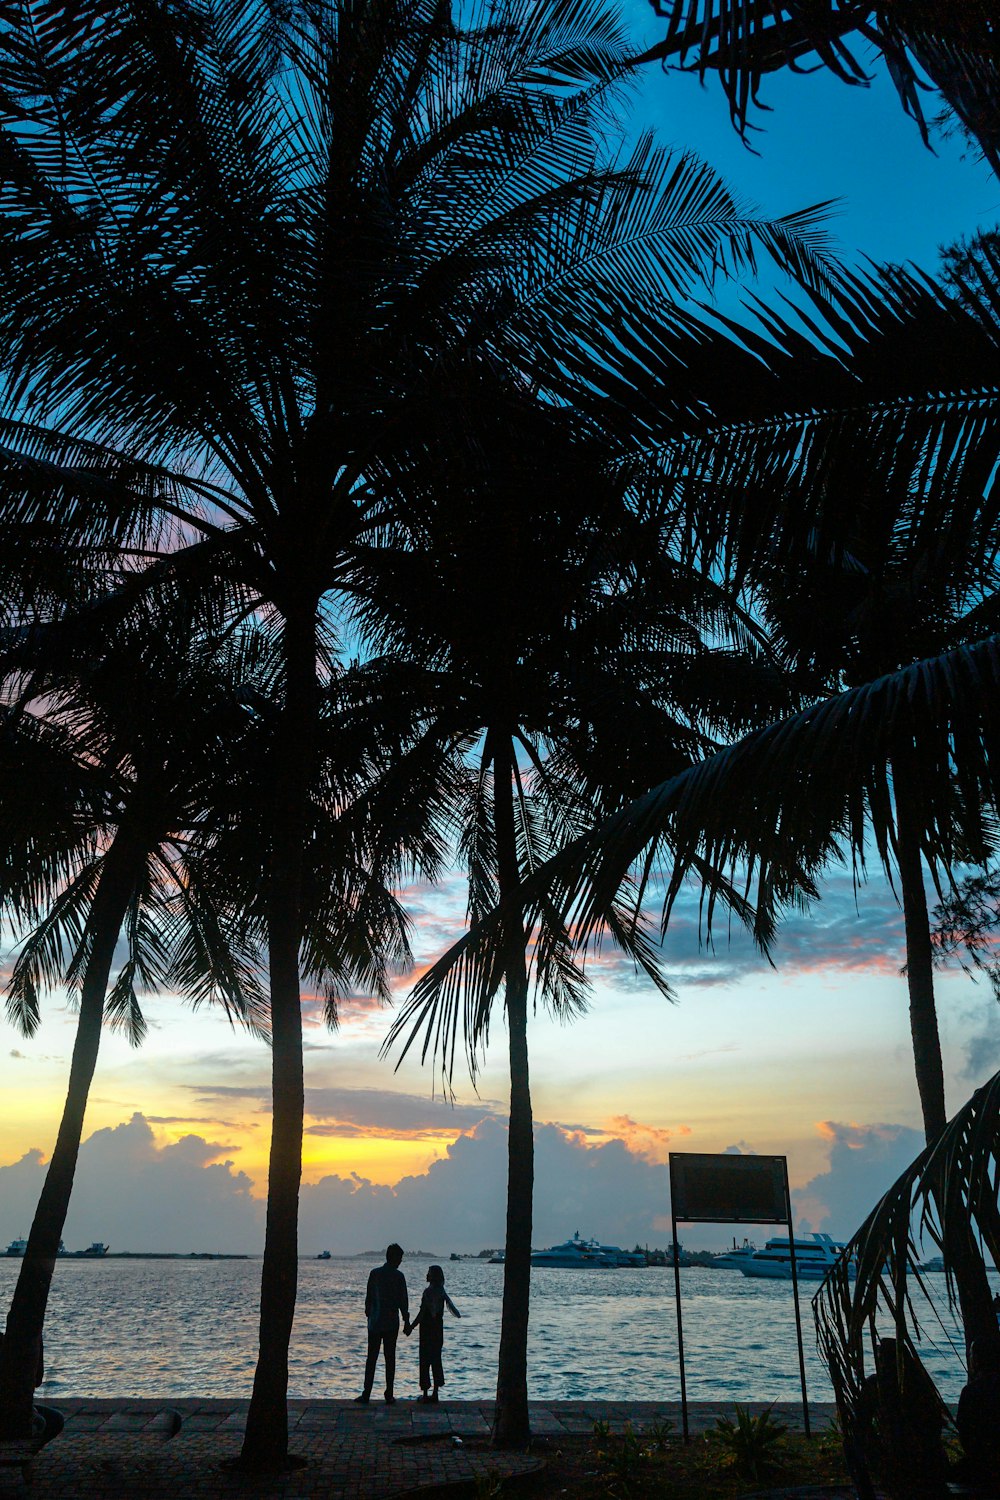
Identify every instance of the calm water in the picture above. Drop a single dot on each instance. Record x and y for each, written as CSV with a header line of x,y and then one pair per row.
x,y
188,1328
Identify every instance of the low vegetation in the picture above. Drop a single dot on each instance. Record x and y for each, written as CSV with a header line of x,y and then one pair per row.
x,y
652,1462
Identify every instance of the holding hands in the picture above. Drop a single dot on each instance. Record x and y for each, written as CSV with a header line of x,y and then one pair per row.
x,y
407,1329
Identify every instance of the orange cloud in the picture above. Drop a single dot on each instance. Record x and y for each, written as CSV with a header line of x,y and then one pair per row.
x,y
649,1141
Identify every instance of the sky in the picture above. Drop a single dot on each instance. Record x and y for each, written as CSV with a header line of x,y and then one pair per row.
x,y
808,1057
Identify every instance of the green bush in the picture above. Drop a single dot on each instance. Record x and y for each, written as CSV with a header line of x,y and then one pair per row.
x,y
752,1443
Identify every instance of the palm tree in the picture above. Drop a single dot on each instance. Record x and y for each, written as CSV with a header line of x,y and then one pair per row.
x,y
241,252
844,472
546,615
105,792
861,513
954,43
154,805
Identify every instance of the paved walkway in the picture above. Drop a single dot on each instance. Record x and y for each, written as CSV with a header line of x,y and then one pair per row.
x,y
120,1450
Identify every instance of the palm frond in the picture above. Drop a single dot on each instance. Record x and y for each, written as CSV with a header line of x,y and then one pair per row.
x,y
946,1195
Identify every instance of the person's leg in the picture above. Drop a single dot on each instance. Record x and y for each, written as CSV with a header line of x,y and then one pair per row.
x,y
425,1368
389,1346
374,1344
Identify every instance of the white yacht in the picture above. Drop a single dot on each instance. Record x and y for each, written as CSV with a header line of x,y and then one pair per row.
x,y
736,1258
576,1252
814,1257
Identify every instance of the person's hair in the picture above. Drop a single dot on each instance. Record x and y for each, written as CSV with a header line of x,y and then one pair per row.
x,y
394,1254
435,1275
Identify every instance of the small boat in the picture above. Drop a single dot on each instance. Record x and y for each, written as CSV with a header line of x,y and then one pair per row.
x,y
814,1257
736,1258
498,1258
936,1263
574,1252
453,1256
324,1255
94,1251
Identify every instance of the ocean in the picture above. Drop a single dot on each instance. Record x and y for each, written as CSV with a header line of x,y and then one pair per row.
x,y
189,1328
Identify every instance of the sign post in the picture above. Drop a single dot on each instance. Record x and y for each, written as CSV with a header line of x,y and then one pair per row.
x,y
727,1189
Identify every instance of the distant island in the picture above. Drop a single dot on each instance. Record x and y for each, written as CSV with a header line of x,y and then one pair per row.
x,y
173,1255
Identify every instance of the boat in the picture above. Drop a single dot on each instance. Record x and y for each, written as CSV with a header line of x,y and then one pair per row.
x,y
736,1258
18,1247
624,1257
574,1252
94,1251
814,1257
498,1258
936,1263
324,1255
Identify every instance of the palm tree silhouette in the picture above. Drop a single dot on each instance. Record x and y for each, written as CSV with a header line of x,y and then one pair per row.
x,y
954,43
109,756
543,609
242,251
843,475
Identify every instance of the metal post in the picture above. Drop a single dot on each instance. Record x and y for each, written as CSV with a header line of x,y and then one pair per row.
x,y
680,1329
795,1298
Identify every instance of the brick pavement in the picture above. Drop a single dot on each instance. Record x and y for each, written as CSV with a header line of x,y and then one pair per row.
x,y
118,1450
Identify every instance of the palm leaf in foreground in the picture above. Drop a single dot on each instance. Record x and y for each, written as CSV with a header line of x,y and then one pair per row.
x,y
955,43
947,1195
769,809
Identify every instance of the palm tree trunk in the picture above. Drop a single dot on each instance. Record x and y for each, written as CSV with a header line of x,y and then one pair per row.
x,y
21,1349
511,1427
974,1295
919,967
265,1445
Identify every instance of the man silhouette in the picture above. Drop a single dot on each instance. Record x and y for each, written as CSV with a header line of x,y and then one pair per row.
x,y
385,1300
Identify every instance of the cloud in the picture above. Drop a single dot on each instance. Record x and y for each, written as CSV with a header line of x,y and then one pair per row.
x,y
19,1055
864,1161
137,1195
649,1141
741,1148
982,1048
199,1120
365,1112
847,930
460,1204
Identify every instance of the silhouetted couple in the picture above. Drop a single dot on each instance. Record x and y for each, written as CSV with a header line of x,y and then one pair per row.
x,y
386,1302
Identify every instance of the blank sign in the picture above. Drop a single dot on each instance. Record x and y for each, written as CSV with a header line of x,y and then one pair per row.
x,y
725,1189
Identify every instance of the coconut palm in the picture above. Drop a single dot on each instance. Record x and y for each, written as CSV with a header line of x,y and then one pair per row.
x,y
573,656
106,791
154,758
241,251
953,43
845,471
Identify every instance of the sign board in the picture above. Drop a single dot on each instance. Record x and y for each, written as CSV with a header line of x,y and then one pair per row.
x,y
728,1189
